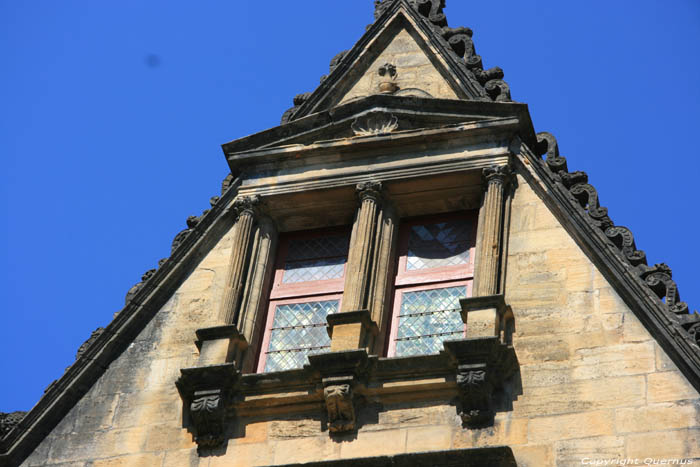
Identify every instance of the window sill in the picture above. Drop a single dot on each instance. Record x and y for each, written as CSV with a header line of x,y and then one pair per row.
x,y
474,374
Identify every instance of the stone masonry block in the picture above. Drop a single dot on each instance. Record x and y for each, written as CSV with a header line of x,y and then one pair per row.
x,y
669,386
665,416
578,425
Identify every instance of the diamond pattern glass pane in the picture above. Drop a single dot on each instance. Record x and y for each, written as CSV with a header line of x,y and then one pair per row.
x,y
438,245
427,318
298,330
316,259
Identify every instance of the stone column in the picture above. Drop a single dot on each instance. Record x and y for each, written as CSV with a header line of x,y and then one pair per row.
x,y
483,312
353,327
491,223
260,272
357,274
225,343
382,277
245,209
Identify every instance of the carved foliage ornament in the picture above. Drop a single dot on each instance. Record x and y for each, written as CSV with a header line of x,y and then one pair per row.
x,y
499,174
659,278
375,123
208,414
475,396
340,407
246,205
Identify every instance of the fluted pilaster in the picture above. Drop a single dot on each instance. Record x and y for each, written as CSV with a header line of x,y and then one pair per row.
x,y
245,209
491,225
357,275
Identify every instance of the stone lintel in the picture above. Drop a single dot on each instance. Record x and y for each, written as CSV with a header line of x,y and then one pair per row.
x,y
220,344
351,330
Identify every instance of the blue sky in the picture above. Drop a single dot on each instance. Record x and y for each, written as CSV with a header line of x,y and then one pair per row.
x,y
113,113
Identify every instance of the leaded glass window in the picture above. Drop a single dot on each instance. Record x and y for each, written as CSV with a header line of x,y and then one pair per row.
x,y
298,329
316,259
307,287
435,270
428,317
440,244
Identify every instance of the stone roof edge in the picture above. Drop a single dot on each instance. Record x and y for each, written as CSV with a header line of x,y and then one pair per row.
x,y
105,345
455,44
650,292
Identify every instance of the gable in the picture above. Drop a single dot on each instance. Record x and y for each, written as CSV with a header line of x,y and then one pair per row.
x,y
416,73
455,67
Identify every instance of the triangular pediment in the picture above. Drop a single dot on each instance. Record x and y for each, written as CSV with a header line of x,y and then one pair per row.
x,y
399,61
406,52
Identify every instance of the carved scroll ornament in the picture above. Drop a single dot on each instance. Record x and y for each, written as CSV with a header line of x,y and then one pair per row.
x,y
658,278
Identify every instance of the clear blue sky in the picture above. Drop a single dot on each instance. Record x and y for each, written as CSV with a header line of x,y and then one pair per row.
x,y
113,113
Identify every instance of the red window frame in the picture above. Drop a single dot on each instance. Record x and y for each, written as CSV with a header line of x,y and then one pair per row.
x,y
299,292
432,278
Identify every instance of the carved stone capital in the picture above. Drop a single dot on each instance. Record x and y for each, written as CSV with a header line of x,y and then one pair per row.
x,y
339,397
247,205
497,174
371,190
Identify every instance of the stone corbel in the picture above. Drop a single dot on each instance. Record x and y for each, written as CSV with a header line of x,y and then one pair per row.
x,y
206,393
339,397
342,374
483,365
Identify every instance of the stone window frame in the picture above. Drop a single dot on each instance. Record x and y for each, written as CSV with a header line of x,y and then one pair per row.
x,y
280,293
428,279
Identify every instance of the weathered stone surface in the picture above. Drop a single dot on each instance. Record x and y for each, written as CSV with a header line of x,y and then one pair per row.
x,y
581,425
414,71
669,386
572,452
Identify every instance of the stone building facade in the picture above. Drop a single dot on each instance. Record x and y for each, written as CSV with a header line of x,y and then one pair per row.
x,y
401,274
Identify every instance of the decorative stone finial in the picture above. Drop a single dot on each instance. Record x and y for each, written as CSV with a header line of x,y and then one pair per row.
x,y
388,73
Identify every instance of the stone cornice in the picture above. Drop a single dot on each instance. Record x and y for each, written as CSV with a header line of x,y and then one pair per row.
x,y
426,112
